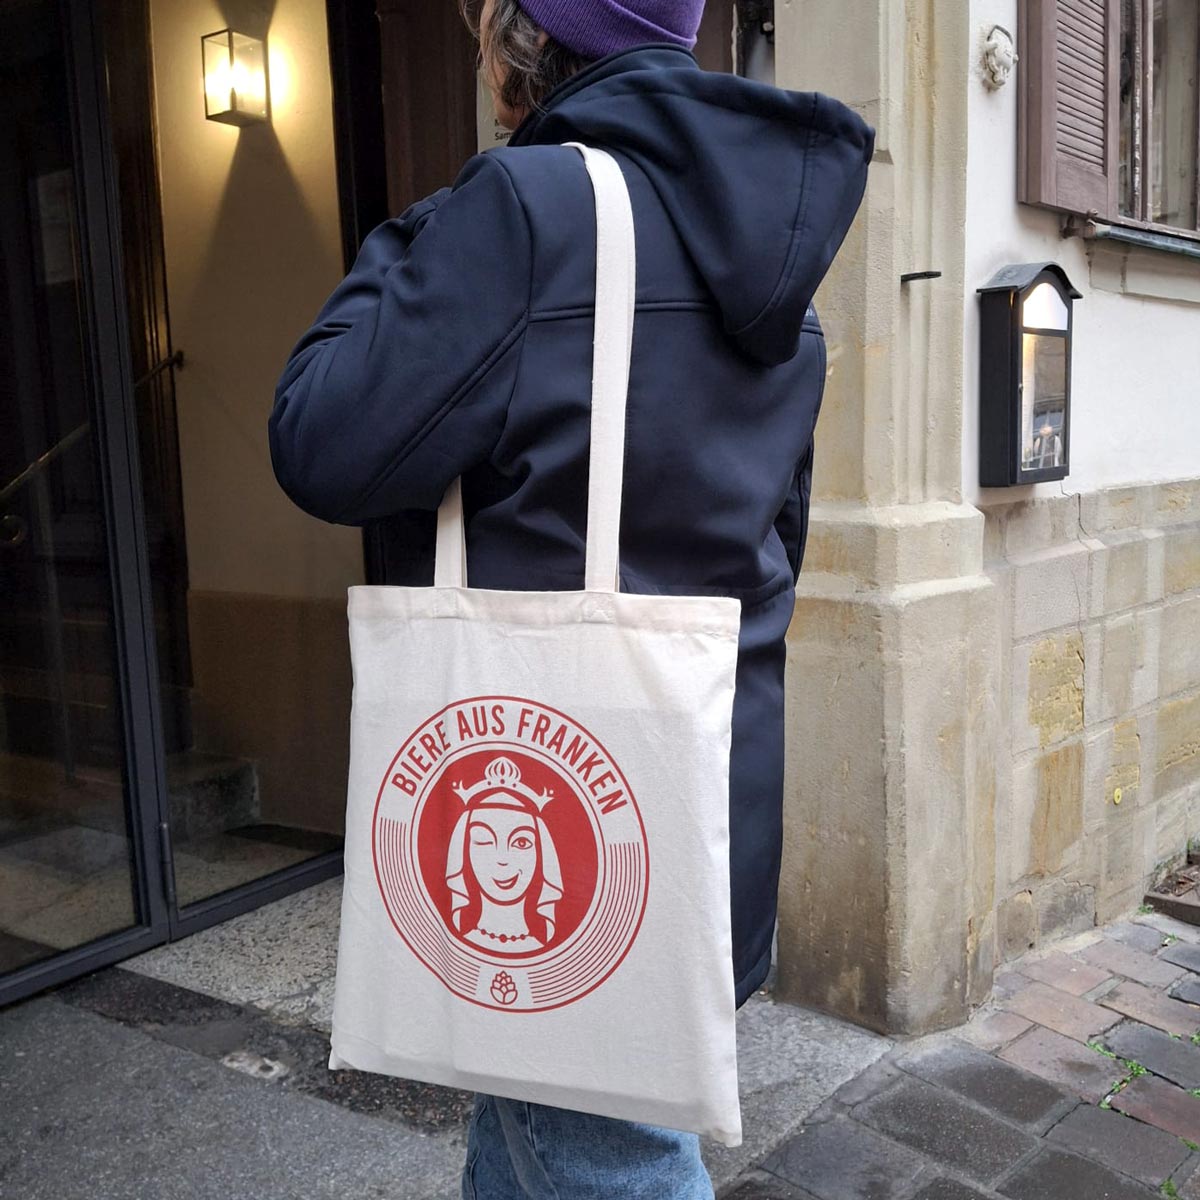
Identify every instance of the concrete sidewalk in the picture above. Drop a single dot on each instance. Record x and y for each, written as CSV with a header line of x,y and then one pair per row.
x,y
198,1070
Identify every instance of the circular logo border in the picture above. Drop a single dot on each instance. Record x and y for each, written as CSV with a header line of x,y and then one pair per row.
x,y
457,944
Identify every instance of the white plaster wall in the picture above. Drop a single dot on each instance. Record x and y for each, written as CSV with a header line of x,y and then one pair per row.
x,y
253,249
1136,386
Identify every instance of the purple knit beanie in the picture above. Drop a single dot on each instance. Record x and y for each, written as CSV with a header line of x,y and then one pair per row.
x,y
594,28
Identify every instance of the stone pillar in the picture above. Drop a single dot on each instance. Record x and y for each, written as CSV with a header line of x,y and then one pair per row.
x,y
887,893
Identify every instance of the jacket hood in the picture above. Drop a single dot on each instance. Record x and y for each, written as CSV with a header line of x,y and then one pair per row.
x,y
761,184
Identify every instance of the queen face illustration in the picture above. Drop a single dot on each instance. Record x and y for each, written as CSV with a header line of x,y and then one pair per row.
x,y
502,867
503,853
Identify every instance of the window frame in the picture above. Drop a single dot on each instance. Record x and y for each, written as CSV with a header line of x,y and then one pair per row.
x,y
1073,167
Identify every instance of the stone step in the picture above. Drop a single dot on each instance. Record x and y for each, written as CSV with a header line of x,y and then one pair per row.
x,y
207,794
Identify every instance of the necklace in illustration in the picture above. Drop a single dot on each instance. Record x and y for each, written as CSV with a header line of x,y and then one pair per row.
x,y
502,937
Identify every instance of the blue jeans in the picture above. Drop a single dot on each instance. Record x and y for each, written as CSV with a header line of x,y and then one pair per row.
x,y
519,1151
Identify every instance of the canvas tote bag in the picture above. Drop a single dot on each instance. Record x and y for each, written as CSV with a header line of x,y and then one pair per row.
x,y
536,896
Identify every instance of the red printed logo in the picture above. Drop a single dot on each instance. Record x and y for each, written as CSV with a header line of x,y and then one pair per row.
x,y
510,854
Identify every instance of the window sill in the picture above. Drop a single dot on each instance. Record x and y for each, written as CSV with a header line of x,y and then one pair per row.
x,y
1149,239
1141,262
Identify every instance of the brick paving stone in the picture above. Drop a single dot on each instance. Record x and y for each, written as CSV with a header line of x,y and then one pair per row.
x,y
843,1160
946,1128
1188,988
1008,1091
1160,1103
1120,959
1064,1013
1183,954
1168,926
1066,973
1140,937
1008,983
868,1083
1054,1175
1127,1146
1189,1172
1153,1008
1175,1059
1064,1061
1189,1189
996,1029
949,1189
761,1186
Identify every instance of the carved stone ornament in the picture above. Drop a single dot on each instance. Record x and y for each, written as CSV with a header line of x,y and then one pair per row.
x,y
999,57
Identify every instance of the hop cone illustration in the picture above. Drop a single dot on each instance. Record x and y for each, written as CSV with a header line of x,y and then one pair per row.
x,y
504,989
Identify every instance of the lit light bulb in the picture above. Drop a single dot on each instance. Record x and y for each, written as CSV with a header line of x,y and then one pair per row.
x,y
1044,308
235,78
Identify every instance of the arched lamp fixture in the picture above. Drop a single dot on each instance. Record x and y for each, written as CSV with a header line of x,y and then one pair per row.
x,y
1025,375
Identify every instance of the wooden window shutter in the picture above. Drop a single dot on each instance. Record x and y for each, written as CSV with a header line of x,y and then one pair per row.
x,y
1068,105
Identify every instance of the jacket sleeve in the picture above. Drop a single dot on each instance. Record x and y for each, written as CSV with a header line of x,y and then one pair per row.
x,y
403,383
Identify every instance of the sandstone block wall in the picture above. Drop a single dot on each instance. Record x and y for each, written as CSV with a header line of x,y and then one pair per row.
x,y
1098,778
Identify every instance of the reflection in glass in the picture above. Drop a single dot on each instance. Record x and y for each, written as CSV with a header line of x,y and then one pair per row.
x,y
65,852
1173,160
1043,400
1130,100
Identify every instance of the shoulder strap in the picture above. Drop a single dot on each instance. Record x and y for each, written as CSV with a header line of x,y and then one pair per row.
x,y
616,275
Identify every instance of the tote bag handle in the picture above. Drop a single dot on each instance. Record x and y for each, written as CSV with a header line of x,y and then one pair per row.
x,y
615,281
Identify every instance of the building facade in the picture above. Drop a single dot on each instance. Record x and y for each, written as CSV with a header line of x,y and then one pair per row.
x,y
999,737
994,722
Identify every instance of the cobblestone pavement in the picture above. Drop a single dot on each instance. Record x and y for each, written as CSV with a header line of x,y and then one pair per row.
x,y
1080,1082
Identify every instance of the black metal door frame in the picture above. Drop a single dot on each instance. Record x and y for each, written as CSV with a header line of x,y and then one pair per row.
x,y
109,372
137,678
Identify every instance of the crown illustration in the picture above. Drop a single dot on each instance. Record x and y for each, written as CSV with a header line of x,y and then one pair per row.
x,y
503,774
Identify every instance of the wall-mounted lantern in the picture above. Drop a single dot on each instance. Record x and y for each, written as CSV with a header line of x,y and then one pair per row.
x,y
1025,375
235,77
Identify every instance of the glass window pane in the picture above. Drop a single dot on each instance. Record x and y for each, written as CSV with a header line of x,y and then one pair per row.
x,y
1173,187
1043,400
1044,308
1128,183
66,861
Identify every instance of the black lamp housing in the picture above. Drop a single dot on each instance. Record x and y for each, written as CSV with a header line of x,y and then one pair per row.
x,y
1025,375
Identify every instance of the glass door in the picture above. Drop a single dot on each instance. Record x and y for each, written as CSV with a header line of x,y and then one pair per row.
x,y
79,860
236,232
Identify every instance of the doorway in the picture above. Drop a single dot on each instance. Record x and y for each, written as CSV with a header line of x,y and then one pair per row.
x,y
174,676
174,683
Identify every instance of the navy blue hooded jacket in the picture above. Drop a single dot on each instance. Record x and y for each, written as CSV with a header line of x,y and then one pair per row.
x,y
461,344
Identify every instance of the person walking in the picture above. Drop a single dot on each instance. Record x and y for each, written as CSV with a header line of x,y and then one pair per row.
x,y
461,345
